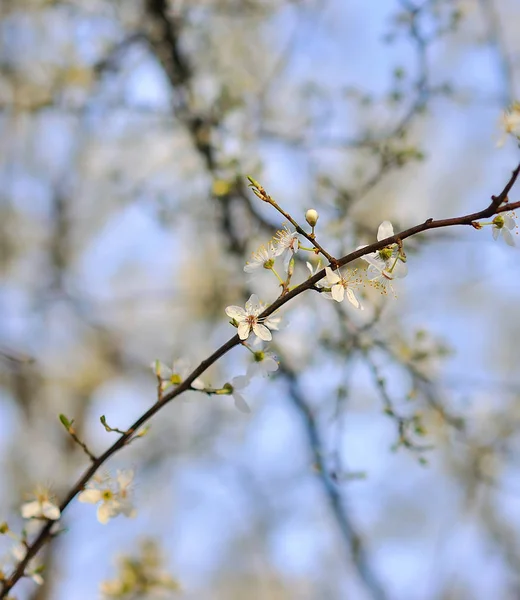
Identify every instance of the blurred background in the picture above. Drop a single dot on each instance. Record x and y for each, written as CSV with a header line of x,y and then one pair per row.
x,y
381,460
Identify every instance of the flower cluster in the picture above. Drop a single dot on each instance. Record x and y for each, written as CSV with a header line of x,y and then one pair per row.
x,y
41,508
114,496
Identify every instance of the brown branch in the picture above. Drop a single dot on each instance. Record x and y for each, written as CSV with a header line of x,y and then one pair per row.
x,y
265,197
498,204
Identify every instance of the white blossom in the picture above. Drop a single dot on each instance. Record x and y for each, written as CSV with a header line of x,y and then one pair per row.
x,y
385,230
313,269
502,227
34,526
264,258
41,507
286,244
341,284
248,320
114,496
237,384
272,321
175,374
387,263
33,568
265,364
510,123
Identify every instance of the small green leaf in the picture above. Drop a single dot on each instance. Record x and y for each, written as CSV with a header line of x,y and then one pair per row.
x,y
65,422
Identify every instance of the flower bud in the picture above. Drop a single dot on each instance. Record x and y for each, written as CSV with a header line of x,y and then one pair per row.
x,y
312,216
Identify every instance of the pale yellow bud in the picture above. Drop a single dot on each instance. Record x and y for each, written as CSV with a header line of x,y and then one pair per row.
x,y
312,216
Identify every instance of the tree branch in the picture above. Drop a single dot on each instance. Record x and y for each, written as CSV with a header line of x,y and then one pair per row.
x,y
498,205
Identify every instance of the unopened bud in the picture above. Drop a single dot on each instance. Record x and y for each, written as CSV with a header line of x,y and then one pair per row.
x,y
312,216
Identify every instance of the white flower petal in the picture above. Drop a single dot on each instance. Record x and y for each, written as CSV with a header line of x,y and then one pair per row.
x,y
253,306
269,364
374,260
338,293
37,578
332,277
126,508
240,382
50,511
236,312
509,222
182,367
31,509
352,299
508,237
496,233
273,322
400,270
164,370
125,477
91,496
240,403
105,513
19,551
262,332
385,230
373,272
197,384
287,260
252,267
244,329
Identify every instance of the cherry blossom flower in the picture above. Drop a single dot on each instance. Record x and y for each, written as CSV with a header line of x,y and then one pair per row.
x,y
34,526
41,507
248,320
272,321
313,269
33,568
379,277
387,263
265,364
510,122
286,244
115,496
340,284
502,227
237,384
175,374
264,258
